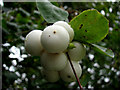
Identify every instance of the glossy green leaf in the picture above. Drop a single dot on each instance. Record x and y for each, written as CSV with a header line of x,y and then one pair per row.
x,y
50,12
103,50
90,26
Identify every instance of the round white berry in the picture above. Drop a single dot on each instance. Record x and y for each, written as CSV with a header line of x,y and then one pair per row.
x,y
78,52
33,43
67,27
55,39
67,73
50,76
52,61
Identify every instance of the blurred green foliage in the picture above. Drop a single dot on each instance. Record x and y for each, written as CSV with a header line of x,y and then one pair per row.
x,y
99,71
50,12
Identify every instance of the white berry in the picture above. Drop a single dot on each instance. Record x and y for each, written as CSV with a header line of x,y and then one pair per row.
x,y
33,43
52,61
55,39
67,27
50,76
67,74
78,52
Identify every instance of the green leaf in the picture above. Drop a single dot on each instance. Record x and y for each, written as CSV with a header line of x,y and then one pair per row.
x,y
10,75
85,79
50,12
22,20
90,26
103,50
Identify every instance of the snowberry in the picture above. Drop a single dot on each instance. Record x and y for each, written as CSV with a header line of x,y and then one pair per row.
x,y
55,39
67,27
50,76
52,61
33,43
67,74
78,52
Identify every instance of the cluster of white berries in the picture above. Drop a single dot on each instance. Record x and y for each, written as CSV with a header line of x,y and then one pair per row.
x,y
51,45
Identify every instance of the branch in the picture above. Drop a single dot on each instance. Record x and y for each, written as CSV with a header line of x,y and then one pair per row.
x,y
74,71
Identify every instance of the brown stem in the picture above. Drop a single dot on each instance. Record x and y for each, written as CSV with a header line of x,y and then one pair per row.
x,y
74,72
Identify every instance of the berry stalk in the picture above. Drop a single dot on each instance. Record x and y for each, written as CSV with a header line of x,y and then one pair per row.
x,y
74,72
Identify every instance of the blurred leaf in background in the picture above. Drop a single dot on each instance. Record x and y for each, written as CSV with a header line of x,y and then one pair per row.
x,y
20,70
50,12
